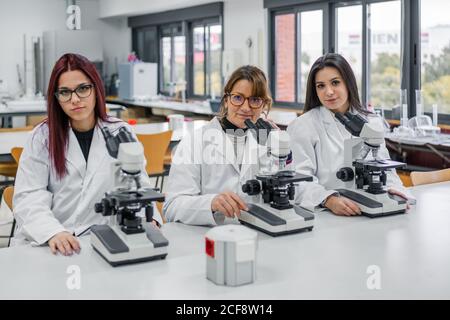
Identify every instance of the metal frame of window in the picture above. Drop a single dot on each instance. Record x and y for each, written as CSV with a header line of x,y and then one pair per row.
x,y
296,10
205,23
184,17
168,30
410,47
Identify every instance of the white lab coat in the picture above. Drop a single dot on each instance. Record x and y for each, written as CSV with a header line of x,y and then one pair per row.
x,y
203,166
317,143
45,205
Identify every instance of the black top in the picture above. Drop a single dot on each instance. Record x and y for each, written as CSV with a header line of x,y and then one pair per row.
x,y
227,125
84,139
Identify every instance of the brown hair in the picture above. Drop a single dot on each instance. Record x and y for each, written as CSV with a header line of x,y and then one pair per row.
x,y
259,83
333,60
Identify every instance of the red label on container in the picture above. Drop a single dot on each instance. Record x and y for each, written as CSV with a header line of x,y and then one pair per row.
x,y
209,247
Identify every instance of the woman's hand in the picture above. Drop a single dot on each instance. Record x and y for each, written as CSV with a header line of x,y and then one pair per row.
x,y
155,223
342,206
229,203
272,123
65,243
400,194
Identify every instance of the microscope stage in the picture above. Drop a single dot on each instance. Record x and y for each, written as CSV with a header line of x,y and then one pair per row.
x,y
375,205
277,222
118,248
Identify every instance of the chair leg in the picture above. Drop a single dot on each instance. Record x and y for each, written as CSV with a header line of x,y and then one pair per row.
x,y
12,232
156,184
162,182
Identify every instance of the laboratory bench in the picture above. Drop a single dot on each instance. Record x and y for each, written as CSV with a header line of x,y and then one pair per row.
x,y
408,256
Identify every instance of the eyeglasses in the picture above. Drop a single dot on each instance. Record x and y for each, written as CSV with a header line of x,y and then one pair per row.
x,y
238,100
82,91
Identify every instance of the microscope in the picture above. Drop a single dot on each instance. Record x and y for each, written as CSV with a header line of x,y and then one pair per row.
x,y
271,210
365,180
126,239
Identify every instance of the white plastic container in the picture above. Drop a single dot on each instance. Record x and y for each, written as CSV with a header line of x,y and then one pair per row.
x,y
231,255
175,121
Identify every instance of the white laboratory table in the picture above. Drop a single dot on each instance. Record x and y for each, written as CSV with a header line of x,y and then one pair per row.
x,y
282,118
8,140
41,109
441,139
197,108
177,135
331,262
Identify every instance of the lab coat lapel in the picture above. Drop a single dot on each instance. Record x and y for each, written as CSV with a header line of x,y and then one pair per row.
x,y
97,154
330,125
225,146
252,153
74,154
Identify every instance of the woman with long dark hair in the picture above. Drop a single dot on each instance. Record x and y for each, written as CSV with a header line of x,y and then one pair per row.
x,y
65,167
317,137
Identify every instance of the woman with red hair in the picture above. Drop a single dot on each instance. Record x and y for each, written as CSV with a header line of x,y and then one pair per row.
x,y
65,167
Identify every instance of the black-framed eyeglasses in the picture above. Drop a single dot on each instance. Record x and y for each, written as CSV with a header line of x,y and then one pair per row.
x,y
82,91
238,100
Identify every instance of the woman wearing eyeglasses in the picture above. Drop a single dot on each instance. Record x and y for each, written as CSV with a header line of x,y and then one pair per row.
x,y
65,167
210,166
317,137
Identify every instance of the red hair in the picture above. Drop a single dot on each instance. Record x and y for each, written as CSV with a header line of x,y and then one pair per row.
x,y
57,120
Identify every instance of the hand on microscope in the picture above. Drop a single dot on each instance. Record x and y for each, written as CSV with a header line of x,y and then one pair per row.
x,y
400,194
342,206
272,123
65,243
229,203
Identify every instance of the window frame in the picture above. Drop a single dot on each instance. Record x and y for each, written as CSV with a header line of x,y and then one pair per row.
x,y
172,35
296,10
410,51
184,17
204,23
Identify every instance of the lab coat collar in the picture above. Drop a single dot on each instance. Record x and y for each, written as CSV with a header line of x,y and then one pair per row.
x,y
97,153
252,153
227,150
251,150
330,124
326,115
75,155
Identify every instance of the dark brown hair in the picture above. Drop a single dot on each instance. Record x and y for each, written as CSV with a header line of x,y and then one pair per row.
x,y
259,83
333,60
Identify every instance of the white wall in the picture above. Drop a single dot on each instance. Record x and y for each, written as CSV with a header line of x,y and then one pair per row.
x,y
242,19
114,8
32,17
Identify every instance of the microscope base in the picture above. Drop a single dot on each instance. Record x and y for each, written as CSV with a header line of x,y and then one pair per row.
x,y
118,248
375,205
277,222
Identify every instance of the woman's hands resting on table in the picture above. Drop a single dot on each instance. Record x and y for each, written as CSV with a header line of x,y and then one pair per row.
x,y
66,243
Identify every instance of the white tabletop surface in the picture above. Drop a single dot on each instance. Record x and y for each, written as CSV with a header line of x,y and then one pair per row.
x,y
177,135
6,109
8,140
197,107
331,262
283,118
440,139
